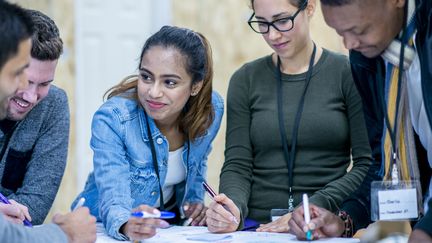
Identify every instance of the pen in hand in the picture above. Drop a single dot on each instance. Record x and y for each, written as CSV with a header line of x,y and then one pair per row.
x,y
159,215
307,215
212,194
79,204
4,199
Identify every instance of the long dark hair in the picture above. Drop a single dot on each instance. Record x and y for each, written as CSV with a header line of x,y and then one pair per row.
x,y
198,113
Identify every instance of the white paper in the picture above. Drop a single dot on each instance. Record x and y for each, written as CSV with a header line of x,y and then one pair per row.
x,y
180,234
397,204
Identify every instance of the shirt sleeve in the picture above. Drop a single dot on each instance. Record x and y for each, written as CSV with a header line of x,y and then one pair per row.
x,y
334,193
109,162
236,174
12,233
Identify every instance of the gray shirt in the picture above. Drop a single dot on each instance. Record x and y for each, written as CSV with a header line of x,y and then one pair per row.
x,y
33,164
11,233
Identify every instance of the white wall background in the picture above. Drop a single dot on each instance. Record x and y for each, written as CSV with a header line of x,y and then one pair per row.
x,y
109,35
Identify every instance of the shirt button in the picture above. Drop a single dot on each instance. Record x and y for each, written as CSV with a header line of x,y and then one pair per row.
x,y
153,193
159,140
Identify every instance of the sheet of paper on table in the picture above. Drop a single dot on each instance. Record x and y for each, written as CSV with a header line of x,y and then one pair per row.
x,y
180,234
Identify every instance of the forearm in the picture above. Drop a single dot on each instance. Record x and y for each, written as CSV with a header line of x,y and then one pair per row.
x,y
235,183
357,205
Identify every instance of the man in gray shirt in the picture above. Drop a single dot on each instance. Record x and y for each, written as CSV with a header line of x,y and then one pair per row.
x,y
16,29
34,136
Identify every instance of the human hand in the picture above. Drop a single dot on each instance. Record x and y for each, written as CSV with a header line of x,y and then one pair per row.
x,y
323,223
15,212
223,215
196,212
419,236
78,225
278,226
142,228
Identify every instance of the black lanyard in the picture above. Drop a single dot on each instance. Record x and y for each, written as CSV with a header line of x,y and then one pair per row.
x,y
393,130
155,162
290,155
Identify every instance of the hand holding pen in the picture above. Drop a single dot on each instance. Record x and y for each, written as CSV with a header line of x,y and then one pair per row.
x,y
322,224
143,222
223,215
14,211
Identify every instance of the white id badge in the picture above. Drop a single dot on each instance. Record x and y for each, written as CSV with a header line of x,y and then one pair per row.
x,y
395,201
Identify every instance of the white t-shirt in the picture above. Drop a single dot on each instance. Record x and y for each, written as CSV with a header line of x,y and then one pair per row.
x,y
418,114
176,173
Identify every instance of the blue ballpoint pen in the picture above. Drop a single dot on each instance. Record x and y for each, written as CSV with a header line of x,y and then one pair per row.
x,y
4,200
160,215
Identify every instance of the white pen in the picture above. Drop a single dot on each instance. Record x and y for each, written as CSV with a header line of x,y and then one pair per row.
x,y
187,222
79,204
307,215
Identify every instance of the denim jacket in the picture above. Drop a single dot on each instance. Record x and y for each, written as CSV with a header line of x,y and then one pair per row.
x,y
124,177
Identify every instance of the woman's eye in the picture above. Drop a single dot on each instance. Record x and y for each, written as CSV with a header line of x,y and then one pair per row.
x,y
170,83
145,77
283,21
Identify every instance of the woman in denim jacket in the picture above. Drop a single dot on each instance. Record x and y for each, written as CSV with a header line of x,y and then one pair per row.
x,y
167,113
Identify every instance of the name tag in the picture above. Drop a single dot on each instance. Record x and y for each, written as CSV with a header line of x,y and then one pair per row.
x,y
395,201
398,204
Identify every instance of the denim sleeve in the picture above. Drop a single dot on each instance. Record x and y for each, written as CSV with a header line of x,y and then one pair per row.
x,y
196,194
111,170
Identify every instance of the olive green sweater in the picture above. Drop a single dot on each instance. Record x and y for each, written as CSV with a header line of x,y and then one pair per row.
x,y
332,127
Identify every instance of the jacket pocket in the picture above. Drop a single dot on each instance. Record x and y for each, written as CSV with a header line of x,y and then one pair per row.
x,y
15,169
143,178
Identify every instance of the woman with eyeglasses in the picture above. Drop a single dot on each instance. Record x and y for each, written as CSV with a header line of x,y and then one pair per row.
x,y
294,121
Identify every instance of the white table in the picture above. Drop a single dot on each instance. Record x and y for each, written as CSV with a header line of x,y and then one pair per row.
x,y
180,234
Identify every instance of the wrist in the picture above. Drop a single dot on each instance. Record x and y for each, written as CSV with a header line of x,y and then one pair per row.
x,y
346,224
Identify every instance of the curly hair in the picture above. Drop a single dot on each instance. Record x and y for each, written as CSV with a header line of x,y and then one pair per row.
x,y
46,42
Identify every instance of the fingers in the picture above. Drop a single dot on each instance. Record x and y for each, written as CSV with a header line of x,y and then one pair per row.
x,y
194,211
23,209
200,217
220,213
228,204
13,220
12,210
203,221
219,226
278,226
143,228
146,208
220,223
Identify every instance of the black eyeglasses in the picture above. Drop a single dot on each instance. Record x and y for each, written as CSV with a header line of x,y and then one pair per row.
x,y
282,24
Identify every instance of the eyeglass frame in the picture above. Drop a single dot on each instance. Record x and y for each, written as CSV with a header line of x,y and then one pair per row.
x,y
291,18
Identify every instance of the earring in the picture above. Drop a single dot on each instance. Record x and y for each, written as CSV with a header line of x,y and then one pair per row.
x,y
194,93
